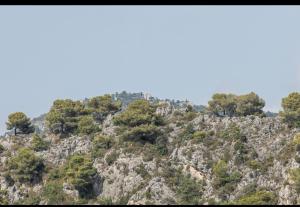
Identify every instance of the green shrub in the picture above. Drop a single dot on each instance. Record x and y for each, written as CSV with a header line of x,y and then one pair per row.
x,y
297,158
31,199
26,166
1,148
189,116
140,170
295,176
161,144
38,144
224,181
8,179
100,145
296,142
232,132
199,135
86,125
257,198
105,201
112,157
249,188
258,165
189,191
142,133
56,174
149,152
54,195
81,173
188,132
3,197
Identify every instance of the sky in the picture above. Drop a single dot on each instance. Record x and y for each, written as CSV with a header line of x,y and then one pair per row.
x,y
175,52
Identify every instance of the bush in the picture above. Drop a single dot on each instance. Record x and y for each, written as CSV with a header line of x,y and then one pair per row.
x,y
199,135
240,147
3,197
100,145
105,201
161,144
295,176
189,191
38,144
224,181
54,195
296,139
81,173
232,132
1,148
86,125
187,132
257,198
25,166
297,158
31,199
140,170
152,151
142,133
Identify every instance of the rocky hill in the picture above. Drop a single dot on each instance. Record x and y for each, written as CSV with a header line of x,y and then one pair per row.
x,y
195,158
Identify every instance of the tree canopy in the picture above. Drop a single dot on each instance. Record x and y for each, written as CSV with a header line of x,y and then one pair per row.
x,y
63,116
291,109
234,105
101,106
19,122
140,120
26,166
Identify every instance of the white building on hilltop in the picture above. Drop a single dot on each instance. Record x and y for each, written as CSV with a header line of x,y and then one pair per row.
x,y
147,96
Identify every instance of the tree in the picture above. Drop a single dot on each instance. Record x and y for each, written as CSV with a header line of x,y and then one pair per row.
x,y
143,133
81,173
38,144
140,121
233,105
223,104
291,109
137,113
86,125
64,115
26,166
19,121
249,104
101,106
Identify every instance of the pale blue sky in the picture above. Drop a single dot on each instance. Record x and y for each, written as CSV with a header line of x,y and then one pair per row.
x,y
50,52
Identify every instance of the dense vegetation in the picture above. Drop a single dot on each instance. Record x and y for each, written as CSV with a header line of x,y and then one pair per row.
x,y
139,130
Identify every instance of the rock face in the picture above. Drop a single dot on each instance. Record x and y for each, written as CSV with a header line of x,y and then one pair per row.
x,y
264,158
157,192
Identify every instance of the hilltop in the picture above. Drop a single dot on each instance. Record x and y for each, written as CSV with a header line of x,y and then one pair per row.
x,y
151,151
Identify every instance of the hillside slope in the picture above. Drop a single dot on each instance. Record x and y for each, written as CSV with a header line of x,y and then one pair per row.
x,y
206,160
